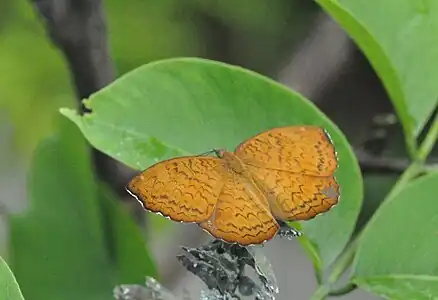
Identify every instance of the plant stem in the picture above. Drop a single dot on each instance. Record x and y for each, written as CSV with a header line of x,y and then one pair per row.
x,y
407,175
411,145
340,266
343,262
347,256
321,293
349,287
429,141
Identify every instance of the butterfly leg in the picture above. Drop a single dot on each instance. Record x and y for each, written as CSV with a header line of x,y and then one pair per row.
x,y
287,231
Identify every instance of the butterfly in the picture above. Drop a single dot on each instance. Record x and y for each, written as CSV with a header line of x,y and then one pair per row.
x,y
284,174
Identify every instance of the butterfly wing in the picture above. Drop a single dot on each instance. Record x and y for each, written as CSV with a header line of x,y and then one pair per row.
x,y
294,167
301,149
295,196
185,189
242,214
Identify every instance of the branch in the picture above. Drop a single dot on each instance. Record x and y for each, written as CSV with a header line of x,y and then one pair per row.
x,y
383,164
77,28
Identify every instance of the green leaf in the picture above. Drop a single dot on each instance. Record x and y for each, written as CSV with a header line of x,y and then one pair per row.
x,y
398,247
9,289
400,46
189,106
402,287
125,242
59,247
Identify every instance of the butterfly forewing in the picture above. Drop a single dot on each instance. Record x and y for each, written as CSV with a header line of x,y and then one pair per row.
x,y
184,189
301,149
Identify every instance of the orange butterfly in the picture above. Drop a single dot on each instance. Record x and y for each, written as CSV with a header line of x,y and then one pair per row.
x,y
283,174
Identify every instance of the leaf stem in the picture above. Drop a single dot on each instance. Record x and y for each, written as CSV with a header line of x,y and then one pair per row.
x,y
321,293
407,175
411,145
340,266
349,287
343,262
348,254
430,141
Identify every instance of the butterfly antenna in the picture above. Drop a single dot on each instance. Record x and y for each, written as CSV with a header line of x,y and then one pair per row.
x,y
208,153
217,152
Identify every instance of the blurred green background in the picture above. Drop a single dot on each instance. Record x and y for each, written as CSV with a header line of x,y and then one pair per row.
x,y
261,35
35,81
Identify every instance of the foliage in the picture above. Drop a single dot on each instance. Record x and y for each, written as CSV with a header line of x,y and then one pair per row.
x,y
411,271
82,242
205,107
400,51
8,285
181,106
188,106
36,83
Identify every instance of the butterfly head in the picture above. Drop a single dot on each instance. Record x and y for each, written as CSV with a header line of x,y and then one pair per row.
x,y
219,152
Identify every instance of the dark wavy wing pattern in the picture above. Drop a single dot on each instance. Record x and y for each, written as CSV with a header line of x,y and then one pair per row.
x,y
184,189
294,196
242,214
300,149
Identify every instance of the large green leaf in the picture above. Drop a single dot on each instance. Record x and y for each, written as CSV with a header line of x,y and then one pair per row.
x,y
402,287
397,257
59,247
125,242
189,106
399,38
9,289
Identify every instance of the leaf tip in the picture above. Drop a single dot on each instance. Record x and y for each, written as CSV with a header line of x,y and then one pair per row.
x,y
70,114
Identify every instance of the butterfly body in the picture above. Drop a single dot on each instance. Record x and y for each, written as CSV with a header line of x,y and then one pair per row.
x,y
281,174
233,163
